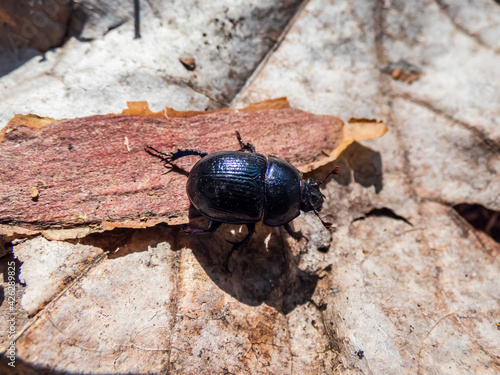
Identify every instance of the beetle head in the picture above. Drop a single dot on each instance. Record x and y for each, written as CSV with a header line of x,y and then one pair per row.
x,y
312,199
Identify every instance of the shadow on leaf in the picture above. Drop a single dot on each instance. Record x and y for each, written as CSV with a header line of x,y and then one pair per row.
x,y
264,271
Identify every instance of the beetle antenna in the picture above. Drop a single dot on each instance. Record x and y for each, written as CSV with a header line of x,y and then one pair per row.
x,y
333,171
326,224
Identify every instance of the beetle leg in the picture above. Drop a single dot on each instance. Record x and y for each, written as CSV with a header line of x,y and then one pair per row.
x,y
214,225
237,245
296,235
181,153
245,146
251,231
169,157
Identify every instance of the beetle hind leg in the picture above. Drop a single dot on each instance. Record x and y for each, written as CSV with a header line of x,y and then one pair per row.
x,y
237,245
169,157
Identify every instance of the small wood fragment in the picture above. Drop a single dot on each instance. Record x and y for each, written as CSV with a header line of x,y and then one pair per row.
x,y
188,62
34,194
403,71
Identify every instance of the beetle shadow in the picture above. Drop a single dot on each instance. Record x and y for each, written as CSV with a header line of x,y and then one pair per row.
x,y
365,164
263,271
11,60
120,242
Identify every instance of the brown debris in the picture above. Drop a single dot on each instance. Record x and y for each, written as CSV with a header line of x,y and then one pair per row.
x,y
403,71
188,62
34,194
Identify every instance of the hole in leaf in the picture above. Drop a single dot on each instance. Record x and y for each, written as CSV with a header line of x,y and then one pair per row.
x,y
481,218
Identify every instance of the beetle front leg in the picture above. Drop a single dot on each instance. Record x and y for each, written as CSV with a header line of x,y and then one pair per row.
x,y
296,235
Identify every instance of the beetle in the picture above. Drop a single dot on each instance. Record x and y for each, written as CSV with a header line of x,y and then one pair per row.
x,y
239,187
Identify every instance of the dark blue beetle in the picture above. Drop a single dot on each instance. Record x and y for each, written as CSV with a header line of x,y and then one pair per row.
x,y
236,187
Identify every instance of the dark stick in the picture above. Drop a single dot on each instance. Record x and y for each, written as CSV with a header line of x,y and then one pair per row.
x,y
137,19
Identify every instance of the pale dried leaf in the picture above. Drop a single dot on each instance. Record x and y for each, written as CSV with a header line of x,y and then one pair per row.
x,y
403,285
